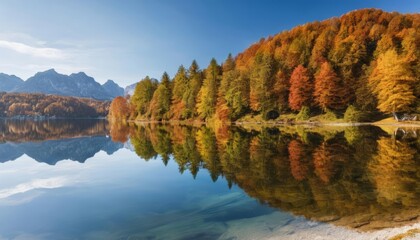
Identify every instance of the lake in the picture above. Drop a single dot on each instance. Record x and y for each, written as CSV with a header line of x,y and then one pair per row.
x,y
87,179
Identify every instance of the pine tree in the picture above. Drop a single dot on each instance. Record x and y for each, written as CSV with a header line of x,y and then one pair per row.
x,y
180,84
195,80
207,96
261,84
320,50
237,96
281,91
143,94
228,77
161,102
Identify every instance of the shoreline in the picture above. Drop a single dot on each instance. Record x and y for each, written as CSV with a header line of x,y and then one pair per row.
x,y
282,123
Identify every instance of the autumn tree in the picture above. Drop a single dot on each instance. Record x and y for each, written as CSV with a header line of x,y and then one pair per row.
x,y
281,91
180,84
20,109
229,75
320,50
161,102
143,94
207,96
329,92
300,88
298,53
411,54
261,84
348,56
237,96
365,98
393,83
119,108
195,80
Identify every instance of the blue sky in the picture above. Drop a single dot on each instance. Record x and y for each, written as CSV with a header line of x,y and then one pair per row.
x,y
126,40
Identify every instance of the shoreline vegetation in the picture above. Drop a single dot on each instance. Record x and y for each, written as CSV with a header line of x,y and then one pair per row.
x,y
384,122
359,68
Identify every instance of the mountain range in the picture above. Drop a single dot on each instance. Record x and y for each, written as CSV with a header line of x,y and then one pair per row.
x,y
52,82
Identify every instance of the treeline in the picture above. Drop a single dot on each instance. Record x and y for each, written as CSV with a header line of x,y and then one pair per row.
x,y
356,177
361,64
41,105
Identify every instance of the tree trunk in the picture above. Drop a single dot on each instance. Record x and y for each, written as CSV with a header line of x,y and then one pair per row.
x,y
395,116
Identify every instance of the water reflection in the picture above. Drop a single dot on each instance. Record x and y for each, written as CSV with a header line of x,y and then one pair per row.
x,y
358,177
52,141
362,178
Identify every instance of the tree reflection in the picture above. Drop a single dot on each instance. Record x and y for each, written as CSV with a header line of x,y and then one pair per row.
x,y
358,177
29,130
140,138
119,131
298,160
393,171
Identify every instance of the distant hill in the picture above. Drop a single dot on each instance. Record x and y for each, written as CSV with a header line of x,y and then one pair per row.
x,y
51,82
113,89
129,90
9,82
41,105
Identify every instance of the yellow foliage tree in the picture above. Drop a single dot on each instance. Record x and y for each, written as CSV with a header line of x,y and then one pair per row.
x,y
392,82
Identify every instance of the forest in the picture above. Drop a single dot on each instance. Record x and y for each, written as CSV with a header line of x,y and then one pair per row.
x,y
362,66
358,177
36,105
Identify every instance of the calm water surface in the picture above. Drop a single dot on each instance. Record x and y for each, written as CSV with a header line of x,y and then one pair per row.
x,y
88,180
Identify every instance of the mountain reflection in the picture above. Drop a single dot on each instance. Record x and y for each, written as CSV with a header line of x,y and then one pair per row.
x,y
52,141
358,177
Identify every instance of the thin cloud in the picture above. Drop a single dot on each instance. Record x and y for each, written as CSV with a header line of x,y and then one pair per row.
x,y
48,183
42,52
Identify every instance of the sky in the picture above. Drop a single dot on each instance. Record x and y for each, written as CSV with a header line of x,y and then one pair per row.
x,y
126,40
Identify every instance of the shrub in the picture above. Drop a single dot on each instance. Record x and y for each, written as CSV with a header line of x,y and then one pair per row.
x,y
304,114
352,114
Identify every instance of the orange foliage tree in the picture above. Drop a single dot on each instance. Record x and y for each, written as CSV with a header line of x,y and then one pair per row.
x,y
119,108
329,94
300,88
